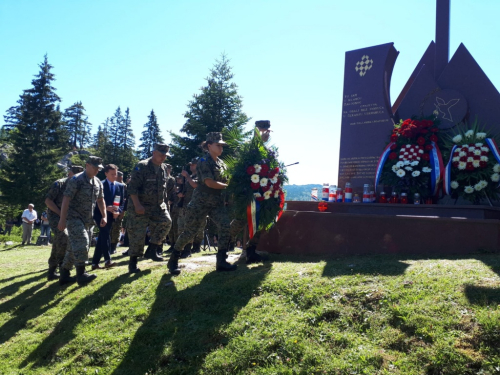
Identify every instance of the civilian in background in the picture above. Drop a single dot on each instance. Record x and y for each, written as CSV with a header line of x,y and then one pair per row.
x,y
8,226
29,217
45,228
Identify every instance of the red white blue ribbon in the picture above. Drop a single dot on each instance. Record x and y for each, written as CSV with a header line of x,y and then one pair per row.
x,y
493,148
437,168
253,217
447,173
381,162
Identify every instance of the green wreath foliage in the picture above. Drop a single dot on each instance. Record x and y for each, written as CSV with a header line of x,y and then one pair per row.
x,y
241,168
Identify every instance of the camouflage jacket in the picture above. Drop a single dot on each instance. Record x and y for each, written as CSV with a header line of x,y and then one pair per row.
x,y
84,193
169,193
149,186
189,190
208,168
55,194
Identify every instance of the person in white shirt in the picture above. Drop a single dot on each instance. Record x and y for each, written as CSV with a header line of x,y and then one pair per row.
x,y
29,216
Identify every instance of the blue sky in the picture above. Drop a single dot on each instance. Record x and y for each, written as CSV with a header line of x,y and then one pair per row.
x,y
287,57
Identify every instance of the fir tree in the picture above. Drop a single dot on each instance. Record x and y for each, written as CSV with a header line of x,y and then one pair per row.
x,y
77,125
38,140
150,136
216,108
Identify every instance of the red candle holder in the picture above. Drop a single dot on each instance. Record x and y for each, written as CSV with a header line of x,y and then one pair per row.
x,y
382,198
322,206
429,201
394,198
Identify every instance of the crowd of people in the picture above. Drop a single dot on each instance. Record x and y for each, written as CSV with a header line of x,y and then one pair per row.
x,y
156,204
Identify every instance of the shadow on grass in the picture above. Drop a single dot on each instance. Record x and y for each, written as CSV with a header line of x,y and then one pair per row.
x,y
183,327
3,281
28,305
13,247
63,332
14,287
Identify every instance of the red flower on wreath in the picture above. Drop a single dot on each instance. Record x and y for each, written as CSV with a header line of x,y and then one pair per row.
x,y
267,187
255,186
426,157
421,141
264,170
434,130
260,199
394,137
394,146
428,147
393,156
251,170
433,138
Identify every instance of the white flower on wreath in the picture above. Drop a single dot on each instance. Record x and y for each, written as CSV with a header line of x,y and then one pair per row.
x,y
415,173
276,194
395,168
479,144
426,170
401,164
469,133
462,153
496,168
457,138
495,177
485,149
462,165
456,158
470,159
409,169
274,180
263,181
469,189
484,158
400,173
477,152
401,156
408,146
420,151
454,184
412,150
414,163
257,167
407,162
483,183
257,195
476,164
478,187
255,178
480,136
418,157
267,194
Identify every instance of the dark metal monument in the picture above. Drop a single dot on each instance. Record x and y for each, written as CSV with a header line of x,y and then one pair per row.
x,y
453,90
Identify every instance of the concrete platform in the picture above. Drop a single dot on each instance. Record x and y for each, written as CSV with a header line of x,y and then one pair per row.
x,y
355,229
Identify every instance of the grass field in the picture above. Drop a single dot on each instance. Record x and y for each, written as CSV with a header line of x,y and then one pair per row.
x,y
291,315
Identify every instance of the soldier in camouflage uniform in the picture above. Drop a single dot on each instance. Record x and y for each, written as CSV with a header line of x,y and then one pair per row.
x,y
174,200
53,202
190,184
169,198
82,193
147,207
207,200
117,224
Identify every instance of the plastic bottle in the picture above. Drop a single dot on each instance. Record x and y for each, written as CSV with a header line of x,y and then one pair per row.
x,y
373,198
116,201
340,196
332,194
325,192
366,193
348,193
314,194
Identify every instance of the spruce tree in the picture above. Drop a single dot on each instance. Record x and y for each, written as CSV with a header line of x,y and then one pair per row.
x,y
150,136
126,155
217,108
38,139
77,125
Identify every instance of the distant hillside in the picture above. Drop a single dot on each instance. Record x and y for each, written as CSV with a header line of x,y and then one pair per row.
x,y
301,192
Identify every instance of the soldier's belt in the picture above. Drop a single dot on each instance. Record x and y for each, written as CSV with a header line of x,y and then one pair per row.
x,y
206,189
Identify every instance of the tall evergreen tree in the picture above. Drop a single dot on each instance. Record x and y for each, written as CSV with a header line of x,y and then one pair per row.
x,y
216,108
77,126
101,144
126,156
38,140
150,136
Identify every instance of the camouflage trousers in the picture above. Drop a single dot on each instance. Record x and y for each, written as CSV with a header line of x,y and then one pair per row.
x,y
60,245
181,224
79,243
115,229
201,205
237,226
174,230
159,223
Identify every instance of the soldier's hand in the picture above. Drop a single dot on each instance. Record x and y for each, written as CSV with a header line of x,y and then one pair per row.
x,y
61,226
103,222
184,173
140,210
115,214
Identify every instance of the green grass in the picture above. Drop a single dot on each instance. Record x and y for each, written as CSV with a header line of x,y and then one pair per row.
x,y
291,315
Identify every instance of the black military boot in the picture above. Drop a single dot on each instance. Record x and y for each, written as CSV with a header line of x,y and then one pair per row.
x,y
173,263
196,248
186,253
52,275
82,277
159,250
151,253
170,249
132,265
222,264
64,276
252,256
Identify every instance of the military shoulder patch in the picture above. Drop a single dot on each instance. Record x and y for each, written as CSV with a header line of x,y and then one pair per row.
x,y
203,159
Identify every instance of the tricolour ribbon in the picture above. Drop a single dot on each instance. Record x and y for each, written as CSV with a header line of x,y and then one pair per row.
x,y
253,217
437,168
494,148
381,162
447,173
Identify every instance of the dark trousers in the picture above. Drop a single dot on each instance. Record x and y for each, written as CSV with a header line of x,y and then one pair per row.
x,y
103,245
